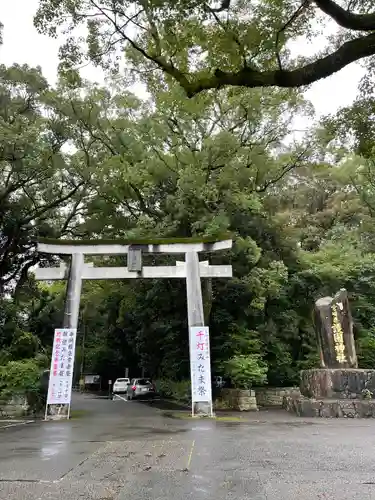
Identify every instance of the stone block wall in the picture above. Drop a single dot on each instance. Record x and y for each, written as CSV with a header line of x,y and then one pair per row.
x,y
236,399
273,396
333,383
17,407
330,408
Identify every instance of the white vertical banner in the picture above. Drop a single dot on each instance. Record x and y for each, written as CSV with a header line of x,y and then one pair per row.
x,y
200,364
62,365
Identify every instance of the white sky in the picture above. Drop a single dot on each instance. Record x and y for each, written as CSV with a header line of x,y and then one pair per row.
x,y
22,44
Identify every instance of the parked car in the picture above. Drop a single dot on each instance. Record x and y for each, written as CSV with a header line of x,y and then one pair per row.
x,y
141,388
120,386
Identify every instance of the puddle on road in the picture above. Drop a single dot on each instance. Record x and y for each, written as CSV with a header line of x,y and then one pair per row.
x,y
49,451
155,430
25,451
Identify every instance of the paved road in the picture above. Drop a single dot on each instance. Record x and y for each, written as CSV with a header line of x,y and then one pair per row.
x,y
118,451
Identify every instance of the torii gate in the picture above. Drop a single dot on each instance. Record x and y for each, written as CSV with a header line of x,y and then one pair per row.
x,y
191,269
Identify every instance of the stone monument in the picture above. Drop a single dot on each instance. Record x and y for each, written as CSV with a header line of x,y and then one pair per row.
x,y
338,388
334,330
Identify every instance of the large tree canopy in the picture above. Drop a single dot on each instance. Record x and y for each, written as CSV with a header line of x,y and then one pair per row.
x,y
205,45
85,161
41,188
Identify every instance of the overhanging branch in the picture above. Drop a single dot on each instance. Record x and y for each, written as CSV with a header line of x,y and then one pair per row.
x,y
345,18
349,52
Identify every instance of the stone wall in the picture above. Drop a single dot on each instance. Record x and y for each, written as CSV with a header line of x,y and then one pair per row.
x,y
17,407
328,408
236,399
273,396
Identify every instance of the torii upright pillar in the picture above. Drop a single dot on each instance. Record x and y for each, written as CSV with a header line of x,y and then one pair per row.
x,y
73,291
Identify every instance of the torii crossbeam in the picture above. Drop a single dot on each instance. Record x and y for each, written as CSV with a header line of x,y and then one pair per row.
x,y
192,270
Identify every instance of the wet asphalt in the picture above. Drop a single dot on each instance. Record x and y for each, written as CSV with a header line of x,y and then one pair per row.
x,y
113,450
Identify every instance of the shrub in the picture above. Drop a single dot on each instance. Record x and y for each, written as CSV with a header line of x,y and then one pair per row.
x,y
171,389
366,349
246,370
21,379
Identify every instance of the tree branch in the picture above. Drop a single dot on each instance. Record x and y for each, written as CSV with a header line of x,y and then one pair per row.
x,y
284,170
168,68
345,18
291,20
225,4
54,204
349,52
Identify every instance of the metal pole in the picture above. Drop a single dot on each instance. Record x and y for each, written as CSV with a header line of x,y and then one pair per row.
x,y
195,314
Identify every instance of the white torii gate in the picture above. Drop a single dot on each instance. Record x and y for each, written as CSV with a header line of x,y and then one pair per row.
x,y
192,270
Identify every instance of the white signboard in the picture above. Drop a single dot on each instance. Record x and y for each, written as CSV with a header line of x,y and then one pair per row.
x,y
200,364
92,379
62,364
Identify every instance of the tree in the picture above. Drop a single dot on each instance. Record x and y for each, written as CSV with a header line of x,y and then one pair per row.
x,y
205,46
300,213
204,169
41,187
166,170
178,168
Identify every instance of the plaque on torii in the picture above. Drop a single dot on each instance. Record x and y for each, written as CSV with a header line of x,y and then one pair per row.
x,y
191,269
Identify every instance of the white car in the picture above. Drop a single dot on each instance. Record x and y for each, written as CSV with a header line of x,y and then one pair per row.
x,y
120,385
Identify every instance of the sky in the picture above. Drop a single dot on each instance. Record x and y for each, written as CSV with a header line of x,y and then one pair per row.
x,y
22,44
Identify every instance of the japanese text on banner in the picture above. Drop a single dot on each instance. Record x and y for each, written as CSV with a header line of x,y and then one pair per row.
x,y
200,364
62,364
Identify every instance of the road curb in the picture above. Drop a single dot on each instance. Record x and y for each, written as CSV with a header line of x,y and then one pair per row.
x,y
14,423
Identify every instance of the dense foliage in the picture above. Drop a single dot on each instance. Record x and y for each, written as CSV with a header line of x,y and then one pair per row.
x,y
246,370
85,161
210,45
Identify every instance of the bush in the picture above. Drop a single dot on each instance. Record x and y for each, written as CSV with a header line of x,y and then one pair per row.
x,y
21,379
170,389
366,349
246,370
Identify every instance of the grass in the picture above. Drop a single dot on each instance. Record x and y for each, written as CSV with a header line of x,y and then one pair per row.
x,y
187,416
75,414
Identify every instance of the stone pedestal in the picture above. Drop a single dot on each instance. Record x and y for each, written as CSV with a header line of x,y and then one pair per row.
x,y
330,408
334,393
337,383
